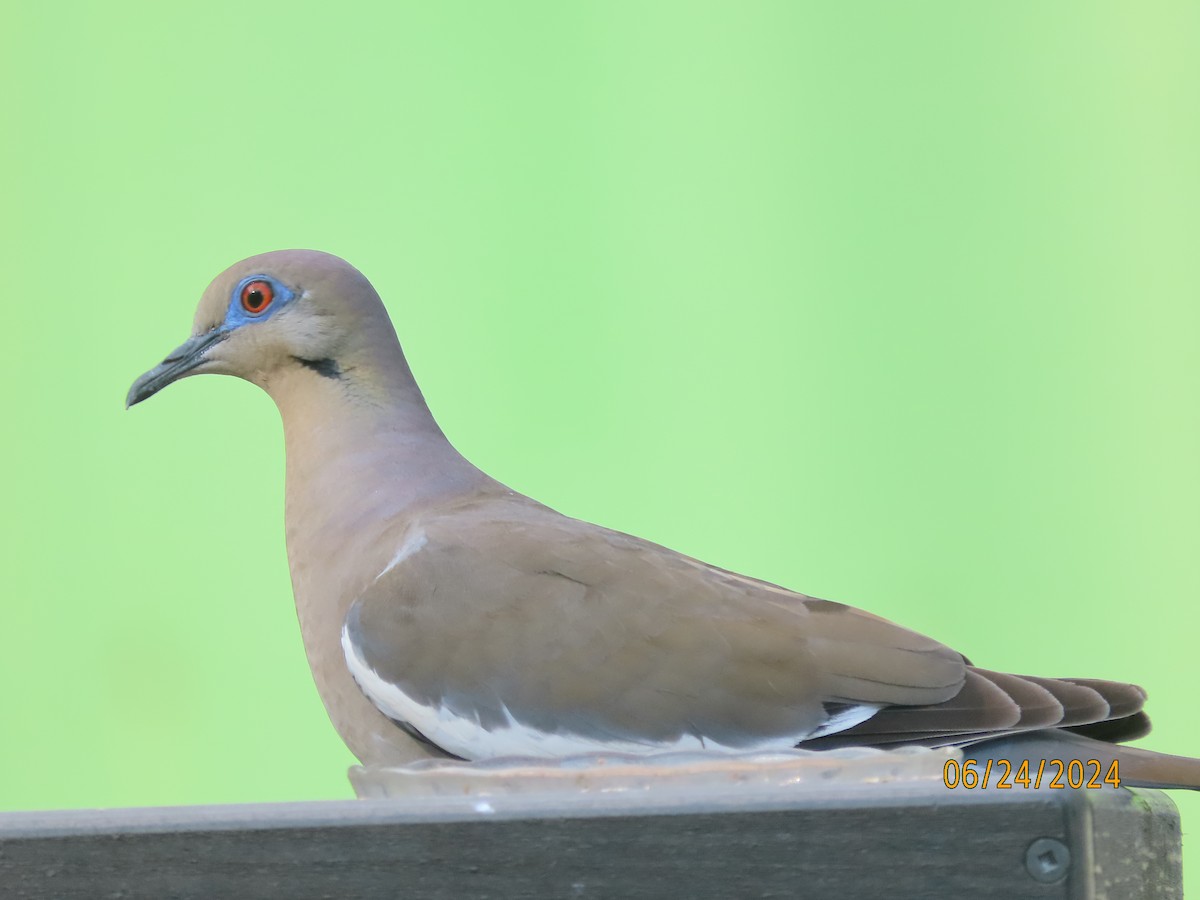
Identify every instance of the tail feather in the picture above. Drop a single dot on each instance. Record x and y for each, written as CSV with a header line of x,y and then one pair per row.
x,y
998,710
1130,728
1016,717
991,704
1026,717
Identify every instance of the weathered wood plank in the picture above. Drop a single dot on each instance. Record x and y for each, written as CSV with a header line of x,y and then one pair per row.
x,y
912,841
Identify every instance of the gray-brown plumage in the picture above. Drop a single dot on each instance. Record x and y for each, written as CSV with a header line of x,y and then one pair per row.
x,y
445,614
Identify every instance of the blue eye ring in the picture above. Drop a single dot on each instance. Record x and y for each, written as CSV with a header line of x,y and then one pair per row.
x,y
255,298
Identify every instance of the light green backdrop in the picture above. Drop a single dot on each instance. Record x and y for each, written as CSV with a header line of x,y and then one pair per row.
x,y
895,303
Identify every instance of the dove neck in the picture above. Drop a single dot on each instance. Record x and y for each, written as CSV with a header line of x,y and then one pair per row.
x,y
363,447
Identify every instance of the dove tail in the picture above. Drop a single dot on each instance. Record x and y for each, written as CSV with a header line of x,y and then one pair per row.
x,y
999,712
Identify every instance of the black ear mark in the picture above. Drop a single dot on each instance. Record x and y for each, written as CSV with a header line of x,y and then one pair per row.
x,y
326,367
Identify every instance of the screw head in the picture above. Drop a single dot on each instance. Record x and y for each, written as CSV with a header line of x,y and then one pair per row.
x,y
1047,860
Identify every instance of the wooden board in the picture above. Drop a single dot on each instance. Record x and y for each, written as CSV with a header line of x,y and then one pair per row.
x,y
908,842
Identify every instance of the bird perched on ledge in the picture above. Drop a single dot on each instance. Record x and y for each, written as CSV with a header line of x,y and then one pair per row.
x,y
445,614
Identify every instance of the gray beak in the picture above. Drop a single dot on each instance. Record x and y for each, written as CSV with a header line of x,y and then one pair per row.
x,y
179,362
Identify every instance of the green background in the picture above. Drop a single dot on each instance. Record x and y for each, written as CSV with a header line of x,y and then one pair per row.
x,y
893,303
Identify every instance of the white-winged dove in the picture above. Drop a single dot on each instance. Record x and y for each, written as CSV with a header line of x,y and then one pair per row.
x,y
445,614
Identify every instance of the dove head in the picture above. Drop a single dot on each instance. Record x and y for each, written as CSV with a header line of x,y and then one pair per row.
x,y
278,319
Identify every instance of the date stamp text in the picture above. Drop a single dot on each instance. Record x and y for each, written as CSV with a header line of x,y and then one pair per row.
x,y
1003,774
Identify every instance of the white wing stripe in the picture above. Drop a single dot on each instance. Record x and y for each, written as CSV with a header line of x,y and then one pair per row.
x,y
467,738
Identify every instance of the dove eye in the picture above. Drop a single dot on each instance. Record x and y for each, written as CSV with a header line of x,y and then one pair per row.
x,y
257,296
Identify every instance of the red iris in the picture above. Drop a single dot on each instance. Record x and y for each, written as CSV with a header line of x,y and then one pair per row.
x,y
257,296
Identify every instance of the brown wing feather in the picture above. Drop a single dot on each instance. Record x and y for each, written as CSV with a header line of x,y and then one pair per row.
x,y
1081,704
1122,699
509,608
618,637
